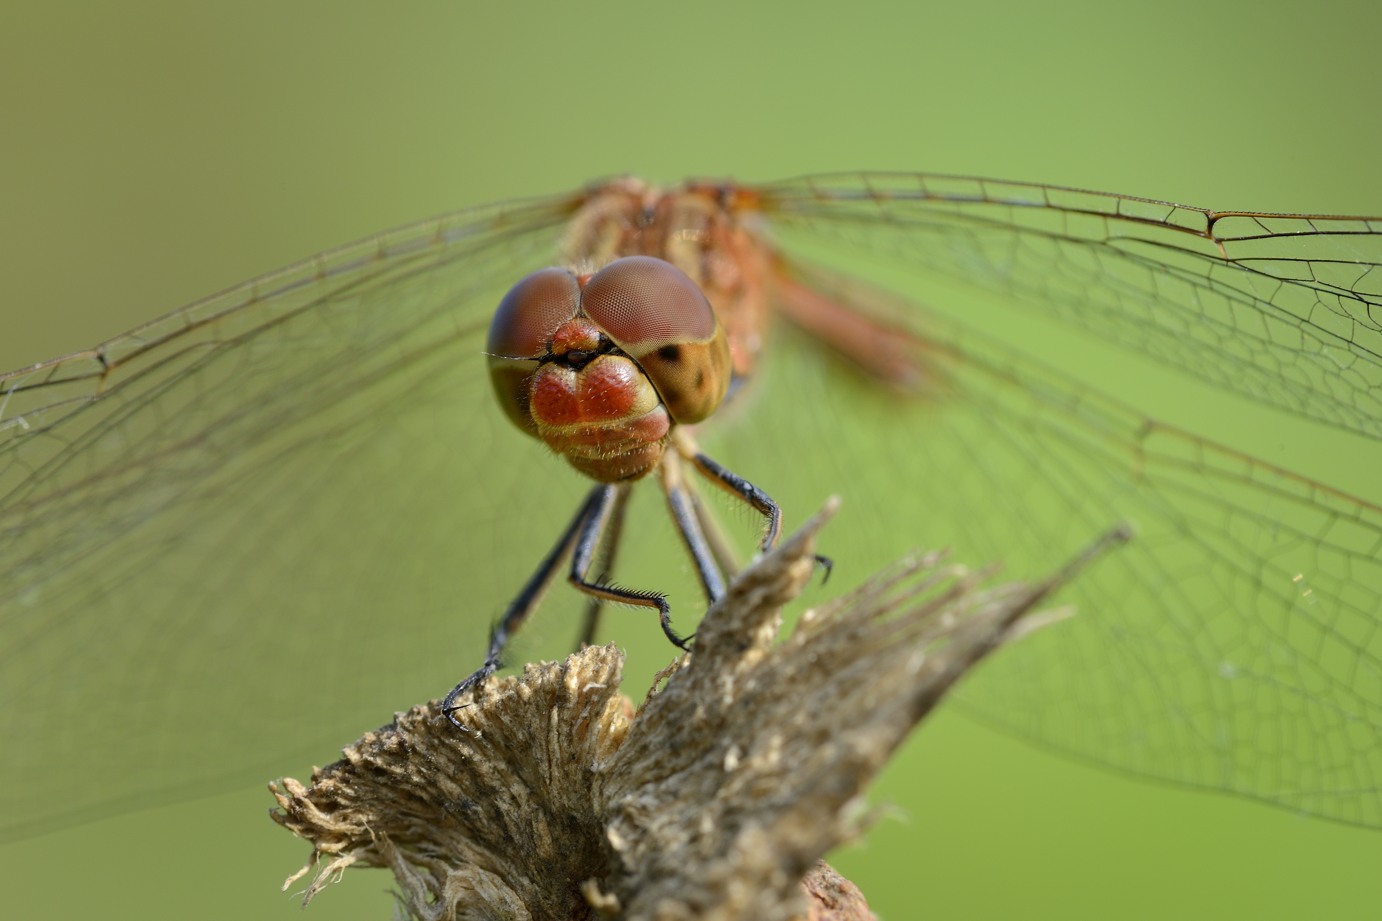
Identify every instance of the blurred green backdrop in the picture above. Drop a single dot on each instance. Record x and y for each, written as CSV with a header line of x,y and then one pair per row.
x,y
156,152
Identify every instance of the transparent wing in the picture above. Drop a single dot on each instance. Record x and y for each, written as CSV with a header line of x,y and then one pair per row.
x,y
1284,308
1234,645
212,523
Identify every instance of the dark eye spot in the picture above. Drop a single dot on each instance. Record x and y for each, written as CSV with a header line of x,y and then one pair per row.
x,y
669,353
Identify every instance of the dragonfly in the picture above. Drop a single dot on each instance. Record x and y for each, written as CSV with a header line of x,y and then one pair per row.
x,y
235,535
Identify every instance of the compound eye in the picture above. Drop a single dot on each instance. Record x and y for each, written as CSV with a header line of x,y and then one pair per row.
x,y
530,313
662,320
643,303
520,334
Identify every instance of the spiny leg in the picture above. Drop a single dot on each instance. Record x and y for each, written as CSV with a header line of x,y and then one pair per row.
x,y
594,534
737,486
587,543
706,546
681,501
521,607
725,556
608,554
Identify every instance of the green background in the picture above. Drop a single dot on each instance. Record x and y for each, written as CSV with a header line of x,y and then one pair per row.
x,y
153,153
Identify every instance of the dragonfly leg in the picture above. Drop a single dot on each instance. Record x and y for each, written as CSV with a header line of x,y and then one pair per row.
x,y
719,544
686,514
602,503
707,547
736,485
608,553
522,606
746,491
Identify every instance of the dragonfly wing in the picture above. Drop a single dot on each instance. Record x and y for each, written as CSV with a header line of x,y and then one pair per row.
x,y
1234,645
260,498
1286,309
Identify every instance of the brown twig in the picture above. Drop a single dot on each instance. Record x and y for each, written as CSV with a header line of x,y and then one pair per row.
x,y
714,800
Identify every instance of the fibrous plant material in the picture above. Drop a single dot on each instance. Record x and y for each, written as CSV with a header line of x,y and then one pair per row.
x,y
714,799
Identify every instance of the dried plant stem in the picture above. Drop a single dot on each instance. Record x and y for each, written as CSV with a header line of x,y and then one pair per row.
x,y
713,800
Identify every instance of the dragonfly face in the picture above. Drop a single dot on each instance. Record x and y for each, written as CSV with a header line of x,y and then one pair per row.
x,y
601,367
180,492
